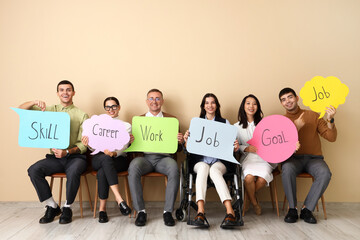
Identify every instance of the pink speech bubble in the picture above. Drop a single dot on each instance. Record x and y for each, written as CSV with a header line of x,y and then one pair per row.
x,y
104,132
275,138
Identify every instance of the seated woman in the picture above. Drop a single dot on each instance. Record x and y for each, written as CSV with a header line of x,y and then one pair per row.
x,y
256,172
108,164
208,166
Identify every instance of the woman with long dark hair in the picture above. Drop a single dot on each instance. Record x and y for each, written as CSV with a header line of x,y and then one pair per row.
x,y
256,172
109,163
207,166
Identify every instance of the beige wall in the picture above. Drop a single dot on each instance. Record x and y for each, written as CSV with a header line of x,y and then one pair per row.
x,y
185,48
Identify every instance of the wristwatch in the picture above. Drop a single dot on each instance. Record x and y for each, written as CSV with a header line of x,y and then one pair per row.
x,y
331,120
67,153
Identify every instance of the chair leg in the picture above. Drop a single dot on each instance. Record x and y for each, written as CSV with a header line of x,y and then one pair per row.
x,y
51,183
60,190
80,199
284,203
96,198
244,203
166,181
88,192
271,195
127,193
323,205
276,198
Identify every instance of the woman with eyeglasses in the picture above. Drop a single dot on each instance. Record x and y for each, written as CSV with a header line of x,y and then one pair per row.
x,y
109,163
205,166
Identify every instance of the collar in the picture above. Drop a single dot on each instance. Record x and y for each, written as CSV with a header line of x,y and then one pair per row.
x,y
67,108
149,114
296,112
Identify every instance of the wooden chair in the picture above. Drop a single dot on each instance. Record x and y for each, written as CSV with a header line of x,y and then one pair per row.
x,y
272,186
126,187
307,175
62,176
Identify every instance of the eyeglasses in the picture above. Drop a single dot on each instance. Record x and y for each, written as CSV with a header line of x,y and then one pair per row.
x,y
154,99
113,107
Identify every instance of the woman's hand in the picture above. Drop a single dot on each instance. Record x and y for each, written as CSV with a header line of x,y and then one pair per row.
x,y
85,140
132,138
236,146
109,153
251,149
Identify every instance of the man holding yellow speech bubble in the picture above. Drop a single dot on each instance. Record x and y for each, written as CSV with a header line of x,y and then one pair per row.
x,y
154,162
308,158
72,160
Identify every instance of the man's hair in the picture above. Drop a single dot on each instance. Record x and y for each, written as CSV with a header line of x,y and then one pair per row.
x,y
285,91
155,90
64,82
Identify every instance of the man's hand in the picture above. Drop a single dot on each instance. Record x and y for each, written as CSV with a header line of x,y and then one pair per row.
x,y
299,122
180,138
85,140
40,104
331,111
59,153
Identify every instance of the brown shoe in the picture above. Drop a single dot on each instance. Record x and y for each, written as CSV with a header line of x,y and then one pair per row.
x,y
229,220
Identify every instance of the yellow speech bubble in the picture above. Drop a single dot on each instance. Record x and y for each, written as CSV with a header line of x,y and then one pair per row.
x,y
320,92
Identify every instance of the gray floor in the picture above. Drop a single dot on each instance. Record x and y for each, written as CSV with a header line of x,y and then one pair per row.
x,y
19,220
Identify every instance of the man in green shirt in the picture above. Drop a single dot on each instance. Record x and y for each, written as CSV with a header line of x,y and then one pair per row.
x,y
71,161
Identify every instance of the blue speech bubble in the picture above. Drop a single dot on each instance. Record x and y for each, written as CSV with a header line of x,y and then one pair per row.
x,y
212,139
43,129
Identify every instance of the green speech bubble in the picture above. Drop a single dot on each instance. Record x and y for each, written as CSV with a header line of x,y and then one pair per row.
x,y
154,134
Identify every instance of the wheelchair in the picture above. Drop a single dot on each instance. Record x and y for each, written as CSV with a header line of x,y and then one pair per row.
x,y
187,181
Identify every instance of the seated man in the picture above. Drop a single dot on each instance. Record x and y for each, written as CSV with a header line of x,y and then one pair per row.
x,y
154,162
72,160
309,156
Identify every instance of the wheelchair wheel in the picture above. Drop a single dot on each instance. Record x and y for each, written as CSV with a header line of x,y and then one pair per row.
x,y
180,214
181,183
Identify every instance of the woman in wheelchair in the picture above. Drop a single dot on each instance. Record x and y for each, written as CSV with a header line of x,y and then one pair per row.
x,y
256,172
108,164
215,168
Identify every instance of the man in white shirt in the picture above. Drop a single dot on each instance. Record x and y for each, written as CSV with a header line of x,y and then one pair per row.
x,y
155,162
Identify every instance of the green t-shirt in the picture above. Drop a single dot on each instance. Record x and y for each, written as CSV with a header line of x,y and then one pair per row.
x,y
77,117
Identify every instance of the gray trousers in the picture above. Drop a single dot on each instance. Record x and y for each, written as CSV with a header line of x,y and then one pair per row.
x,y
153,163
314,165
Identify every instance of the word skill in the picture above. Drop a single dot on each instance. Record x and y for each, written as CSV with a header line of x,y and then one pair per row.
x,y
39,129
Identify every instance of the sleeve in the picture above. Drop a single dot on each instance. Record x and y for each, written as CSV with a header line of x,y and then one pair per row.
x,y
78,143
128,129
325,132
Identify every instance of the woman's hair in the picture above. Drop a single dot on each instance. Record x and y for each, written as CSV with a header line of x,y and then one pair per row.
x,y
111,98
242,114
202,105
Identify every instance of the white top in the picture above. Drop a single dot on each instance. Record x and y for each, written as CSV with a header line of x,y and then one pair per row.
x,y
252,163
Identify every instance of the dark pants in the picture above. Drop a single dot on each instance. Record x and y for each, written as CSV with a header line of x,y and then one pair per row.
x,y
315,166
107,169
73,166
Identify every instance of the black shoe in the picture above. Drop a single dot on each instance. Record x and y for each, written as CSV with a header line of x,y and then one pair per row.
x,y
50,214
103,218
291,216
307,215
200,219
124,208
66,216
168,219
229,220
141,219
